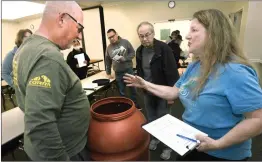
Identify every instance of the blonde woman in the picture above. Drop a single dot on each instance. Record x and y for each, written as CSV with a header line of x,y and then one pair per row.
x,y
219,90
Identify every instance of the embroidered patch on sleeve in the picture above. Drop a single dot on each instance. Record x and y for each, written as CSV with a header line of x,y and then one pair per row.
x,y
40,81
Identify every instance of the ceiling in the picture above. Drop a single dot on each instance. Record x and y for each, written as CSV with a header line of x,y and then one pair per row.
x,y
83,4
90,3
86,4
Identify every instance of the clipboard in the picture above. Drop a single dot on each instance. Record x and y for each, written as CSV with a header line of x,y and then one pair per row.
x,y
80,60
166,129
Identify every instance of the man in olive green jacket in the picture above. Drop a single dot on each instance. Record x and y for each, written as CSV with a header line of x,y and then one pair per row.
x,y
50,94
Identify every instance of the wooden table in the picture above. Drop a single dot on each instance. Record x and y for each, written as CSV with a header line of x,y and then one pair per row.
x,y
94,61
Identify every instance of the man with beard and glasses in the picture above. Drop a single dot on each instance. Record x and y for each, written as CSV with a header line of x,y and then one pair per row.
x,y
120,53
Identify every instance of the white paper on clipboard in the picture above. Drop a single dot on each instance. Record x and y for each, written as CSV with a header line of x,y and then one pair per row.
x,y
166,129
80,59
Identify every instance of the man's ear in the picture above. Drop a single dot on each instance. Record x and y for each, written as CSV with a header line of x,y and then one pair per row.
x,y
61,19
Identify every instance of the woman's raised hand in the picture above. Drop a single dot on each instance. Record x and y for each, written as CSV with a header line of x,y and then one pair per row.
x,y
134,81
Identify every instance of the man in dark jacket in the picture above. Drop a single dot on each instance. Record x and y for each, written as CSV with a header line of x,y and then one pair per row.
x,y
71,60
156,64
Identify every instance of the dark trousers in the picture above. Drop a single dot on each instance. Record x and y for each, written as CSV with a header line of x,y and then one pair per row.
x,y
81,73
122,85
83,155
155,107
201,156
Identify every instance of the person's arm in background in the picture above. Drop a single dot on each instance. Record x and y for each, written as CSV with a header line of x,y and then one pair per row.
x,y
43,108
170,66
71,61
175,49
169,39
7,67
138,66
87,59
108,62
130,54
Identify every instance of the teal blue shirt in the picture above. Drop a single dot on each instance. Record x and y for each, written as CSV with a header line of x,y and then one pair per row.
x,y
7,67
221,104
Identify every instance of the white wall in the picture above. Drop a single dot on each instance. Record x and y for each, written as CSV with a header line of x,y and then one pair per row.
x,y
35,22
93,36
26,24
241,5
182,25
125,16
9,31
253,34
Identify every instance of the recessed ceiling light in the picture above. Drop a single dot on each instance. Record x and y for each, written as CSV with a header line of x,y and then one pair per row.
x,y
12,10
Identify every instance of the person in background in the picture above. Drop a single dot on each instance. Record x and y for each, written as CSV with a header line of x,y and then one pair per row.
x,y
7,68
175,46
56,108
81,72
120,53
231,114
173,36
156,64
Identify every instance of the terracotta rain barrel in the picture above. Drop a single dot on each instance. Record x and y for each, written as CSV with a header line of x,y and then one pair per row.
x,y
115,131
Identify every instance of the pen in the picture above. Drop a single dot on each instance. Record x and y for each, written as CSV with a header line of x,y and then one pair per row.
x,y
187,138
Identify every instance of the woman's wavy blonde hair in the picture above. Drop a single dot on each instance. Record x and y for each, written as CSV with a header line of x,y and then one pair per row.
x,y
221,46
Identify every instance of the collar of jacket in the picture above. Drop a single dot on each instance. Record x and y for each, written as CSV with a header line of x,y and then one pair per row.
x,y
156,47
80,51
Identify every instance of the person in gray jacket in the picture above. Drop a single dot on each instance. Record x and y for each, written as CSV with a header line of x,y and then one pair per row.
x,y
120,53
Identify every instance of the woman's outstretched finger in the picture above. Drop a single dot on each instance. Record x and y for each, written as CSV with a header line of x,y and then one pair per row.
x,y
127,81
126,78
129,75
138,77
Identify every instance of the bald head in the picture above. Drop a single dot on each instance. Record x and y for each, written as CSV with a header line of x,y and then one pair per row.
x,y
54,8
62,22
